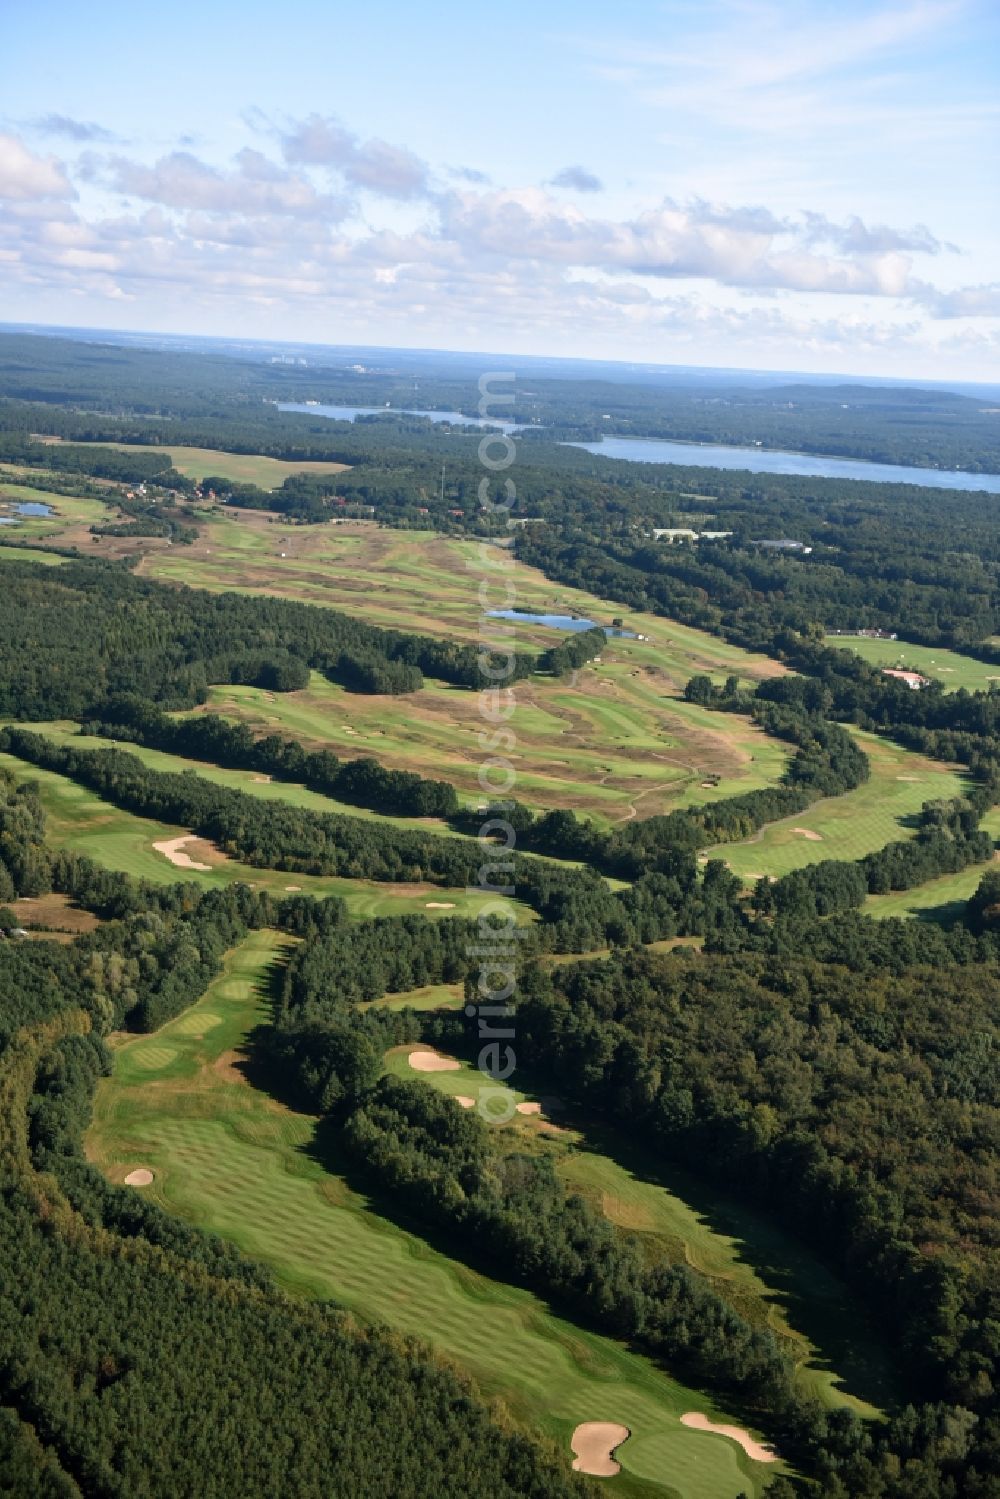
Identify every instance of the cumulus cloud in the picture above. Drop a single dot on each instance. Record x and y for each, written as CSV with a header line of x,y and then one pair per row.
x,y
70,129
24,176
256,185
578,179
392,171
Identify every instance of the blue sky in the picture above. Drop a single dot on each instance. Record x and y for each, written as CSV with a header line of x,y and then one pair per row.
x,y
755,183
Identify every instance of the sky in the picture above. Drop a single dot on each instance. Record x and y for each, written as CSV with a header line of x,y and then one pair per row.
x,y
760,184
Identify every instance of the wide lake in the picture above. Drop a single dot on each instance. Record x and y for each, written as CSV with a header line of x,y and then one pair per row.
x,y
348,413
765,461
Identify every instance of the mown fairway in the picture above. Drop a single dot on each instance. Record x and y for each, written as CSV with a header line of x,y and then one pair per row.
x,y
940,899
848,827
615,740
611,743
949,667
770,1279
80,821
230,1158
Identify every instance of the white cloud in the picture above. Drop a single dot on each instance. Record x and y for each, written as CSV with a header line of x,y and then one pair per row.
x,y
392,171
578,179
256,186
24,176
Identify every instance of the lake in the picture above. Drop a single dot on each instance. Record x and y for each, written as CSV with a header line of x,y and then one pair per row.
x,y
569,622
348,413
765,461
26,507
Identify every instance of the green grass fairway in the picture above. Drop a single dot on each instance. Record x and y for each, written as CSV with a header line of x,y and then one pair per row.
x,y
616,740
64,732
849,826
768,1277
10,553
79,820
941,899
241,468
949,667
228,1157
68,512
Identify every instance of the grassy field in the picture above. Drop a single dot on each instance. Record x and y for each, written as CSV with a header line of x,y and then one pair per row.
x,y
79,820
949,667
616,740
10,553
611,744
240,468
770,1279
227,1156
941,899
295,795
849,826
69,513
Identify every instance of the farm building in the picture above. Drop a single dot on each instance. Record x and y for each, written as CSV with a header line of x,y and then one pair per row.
x,y
913,679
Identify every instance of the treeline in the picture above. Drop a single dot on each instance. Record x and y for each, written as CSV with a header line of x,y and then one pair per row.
x,y
77,635
211,737
573,652
116,1320
514,1216
861,1114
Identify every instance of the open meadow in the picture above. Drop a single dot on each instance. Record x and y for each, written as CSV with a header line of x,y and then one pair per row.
x,y
950,668
227,1156
239,468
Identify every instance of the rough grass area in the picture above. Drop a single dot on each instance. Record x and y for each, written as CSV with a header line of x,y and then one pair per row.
x,y
615,740
227,1156
884,809
950,668
79,820
240,468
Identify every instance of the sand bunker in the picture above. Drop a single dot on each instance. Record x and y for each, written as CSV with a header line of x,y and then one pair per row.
x,y
808,833
432,1061
529,1108
465,1101
139,1178
261,780
753,1449
173,849
907,778
440,905
594,1442
293,889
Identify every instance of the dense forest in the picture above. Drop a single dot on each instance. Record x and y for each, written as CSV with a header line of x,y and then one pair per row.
x,y
836,1072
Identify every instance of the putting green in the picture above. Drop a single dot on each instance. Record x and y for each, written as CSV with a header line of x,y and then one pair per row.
x,y
231,1159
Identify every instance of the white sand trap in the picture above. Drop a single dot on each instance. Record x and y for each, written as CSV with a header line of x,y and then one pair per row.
x,y
293,889
465,1101
594,1442
753,1449
261,780
433,1061
907,778
529,1108
808,833
439,905
139,1178
173,849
